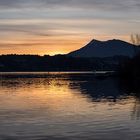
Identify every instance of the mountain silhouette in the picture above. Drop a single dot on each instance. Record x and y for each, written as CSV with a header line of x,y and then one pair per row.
x,y
108,48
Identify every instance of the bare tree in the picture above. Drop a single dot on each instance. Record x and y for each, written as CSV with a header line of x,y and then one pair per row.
x,y
135,39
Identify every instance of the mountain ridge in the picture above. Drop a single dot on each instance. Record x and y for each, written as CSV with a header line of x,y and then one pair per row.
x,y
109,48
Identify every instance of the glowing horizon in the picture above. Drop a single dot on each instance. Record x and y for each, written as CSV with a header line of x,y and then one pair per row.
x,y
64,26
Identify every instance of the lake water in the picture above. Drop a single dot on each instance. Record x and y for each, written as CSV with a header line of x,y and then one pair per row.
x,y
67,106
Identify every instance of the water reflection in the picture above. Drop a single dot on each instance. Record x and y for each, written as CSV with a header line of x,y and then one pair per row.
x,y
67,106
136,109
97,90
81,84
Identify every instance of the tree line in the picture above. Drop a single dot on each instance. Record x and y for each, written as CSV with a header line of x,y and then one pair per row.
x,y
56,63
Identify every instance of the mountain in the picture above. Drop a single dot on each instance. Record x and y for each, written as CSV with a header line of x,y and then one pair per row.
x,y
108,48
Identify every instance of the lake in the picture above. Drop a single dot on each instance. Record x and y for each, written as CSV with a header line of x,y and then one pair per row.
x,y
67,106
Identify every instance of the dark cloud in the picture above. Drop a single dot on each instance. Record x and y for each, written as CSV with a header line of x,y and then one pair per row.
x,y
95,4
9,3
26,29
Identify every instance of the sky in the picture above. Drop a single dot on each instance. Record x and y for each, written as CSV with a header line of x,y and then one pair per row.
x,y
61,26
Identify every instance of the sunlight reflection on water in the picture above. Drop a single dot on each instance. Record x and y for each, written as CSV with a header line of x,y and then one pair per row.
x,y
73,106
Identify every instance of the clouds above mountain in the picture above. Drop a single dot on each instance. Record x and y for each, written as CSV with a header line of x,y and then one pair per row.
x,y
64,25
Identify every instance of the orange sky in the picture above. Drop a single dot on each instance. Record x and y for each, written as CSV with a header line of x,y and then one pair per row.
x,y
49,45
59,27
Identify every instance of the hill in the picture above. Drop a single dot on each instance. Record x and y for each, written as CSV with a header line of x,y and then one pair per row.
x,y
108,48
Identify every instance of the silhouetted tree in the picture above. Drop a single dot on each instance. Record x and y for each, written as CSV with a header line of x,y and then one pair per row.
x,y
135,39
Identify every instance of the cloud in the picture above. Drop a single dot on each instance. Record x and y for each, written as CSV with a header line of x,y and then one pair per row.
x,y
9,3
24,20
92,4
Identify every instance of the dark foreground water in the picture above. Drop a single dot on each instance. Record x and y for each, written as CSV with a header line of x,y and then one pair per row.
x,y
67,106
